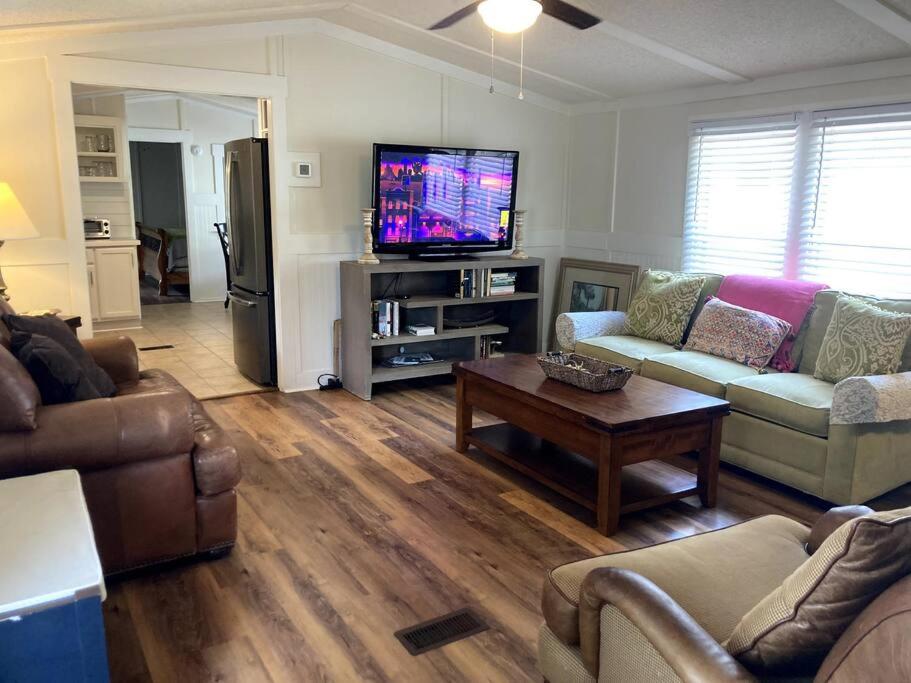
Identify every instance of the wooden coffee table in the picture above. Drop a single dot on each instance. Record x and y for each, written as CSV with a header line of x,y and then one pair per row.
x,y
601,450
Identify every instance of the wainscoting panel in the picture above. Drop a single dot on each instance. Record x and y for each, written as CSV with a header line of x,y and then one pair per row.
x,y
207,270
318,291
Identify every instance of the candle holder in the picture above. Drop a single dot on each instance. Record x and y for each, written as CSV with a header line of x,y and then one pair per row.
x,y
519,235
368,257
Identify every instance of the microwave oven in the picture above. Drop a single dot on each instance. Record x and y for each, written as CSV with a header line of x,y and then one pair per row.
x,y
96,228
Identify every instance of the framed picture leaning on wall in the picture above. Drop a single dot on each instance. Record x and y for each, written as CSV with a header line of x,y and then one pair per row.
x,y
592,286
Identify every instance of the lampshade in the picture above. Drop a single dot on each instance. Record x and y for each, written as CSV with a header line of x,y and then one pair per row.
x,y
509,16
14,222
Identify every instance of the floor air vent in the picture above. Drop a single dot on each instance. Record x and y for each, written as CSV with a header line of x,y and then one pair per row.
x,y
156,348
435,633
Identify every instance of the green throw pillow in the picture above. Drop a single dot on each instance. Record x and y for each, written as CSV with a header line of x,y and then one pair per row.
x,y
662,306
861,340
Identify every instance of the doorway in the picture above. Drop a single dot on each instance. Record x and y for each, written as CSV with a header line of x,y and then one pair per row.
x,y
163,203
159,207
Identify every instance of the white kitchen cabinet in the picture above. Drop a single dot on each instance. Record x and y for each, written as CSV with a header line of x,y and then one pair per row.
x,y
113,283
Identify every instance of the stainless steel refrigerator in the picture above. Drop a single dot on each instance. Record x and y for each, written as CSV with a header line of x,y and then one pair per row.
x,y
249,226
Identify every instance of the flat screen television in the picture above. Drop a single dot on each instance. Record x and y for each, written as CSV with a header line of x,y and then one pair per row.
x,y
442,200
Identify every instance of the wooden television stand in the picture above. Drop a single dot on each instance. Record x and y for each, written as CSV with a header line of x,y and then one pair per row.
x,y
426,291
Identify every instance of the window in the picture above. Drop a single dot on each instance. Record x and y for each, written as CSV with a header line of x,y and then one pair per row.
x,y
820,196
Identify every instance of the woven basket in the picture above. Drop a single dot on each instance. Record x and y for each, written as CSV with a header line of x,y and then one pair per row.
x,y
585,372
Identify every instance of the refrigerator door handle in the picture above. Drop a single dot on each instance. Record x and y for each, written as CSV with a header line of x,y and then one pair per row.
x,y
236,250
241,302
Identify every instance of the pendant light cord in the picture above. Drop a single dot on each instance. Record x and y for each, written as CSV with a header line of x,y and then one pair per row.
x,y
491,62
522,66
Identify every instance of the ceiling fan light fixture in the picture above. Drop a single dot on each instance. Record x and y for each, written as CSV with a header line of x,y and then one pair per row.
x,y
509,16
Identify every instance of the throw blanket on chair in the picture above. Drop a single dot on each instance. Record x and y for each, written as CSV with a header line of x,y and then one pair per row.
x,y
789,300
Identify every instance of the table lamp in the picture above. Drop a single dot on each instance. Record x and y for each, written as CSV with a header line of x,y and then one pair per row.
x,y
14,224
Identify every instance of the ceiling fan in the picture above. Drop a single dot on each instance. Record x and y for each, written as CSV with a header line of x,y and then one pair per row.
x,y
514,16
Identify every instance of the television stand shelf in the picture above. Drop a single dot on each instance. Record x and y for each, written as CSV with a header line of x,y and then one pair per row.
x,y
425,291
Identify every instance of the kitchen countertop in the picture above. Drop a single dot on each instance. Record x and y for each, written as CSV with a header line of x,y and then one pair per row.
x,y
96,244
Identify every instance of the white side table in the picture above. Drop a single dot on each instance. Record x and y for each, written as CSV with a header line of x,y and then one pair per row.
x,y
51,585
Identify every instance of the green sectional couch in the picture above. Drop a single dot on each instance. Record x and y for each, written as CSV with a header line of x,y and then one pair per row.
x,y
845,443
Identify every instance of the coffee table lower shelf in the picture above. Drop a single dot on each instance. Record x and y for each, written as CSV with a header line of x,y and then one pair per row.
x,y
644,485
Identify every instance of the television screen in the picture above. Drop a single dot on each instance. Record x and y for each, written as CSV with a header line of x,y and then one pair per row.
x,y
443,199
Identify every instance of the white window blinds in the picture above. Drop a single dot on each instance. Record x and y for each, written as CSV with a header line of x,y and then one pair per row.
x,y
856,232
822,196
739,185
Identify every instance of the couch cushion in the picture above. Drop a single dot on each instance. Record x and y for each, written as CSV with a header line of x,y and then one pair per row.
x,y
150,381
824,307
745,562
59,376
862,340
622,349
788,300
54,328
662,306
793,628
739,334
696,370
800,402
18,394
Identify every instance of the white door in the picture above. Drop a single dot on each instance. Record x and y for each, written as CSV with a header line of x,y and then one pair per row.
x,y
117,283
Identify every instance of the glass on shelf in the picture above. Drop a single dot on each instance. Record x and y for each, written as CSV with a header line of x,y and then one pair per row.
x,y
106,168
103,142
88,143
87,170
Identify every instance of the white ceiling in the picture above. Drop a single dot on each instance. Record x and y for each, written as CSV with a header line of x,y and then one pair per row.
x,y
643,46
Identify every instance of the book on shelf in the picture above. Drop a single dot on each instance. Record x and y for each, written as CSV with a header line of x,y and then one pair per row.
x,y
386,317
420,330
485,282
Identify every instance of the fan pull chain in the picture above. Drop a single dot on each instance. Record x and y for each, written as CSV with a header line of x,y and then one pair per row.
x,y
522,65
491,62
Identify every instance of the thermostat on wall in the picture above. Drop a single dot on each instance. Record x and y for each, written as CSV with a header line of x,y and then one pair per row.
x,y
305,170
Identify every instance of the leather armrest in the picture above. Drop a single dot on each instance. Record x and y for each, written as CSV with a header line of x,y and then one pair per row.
x,y
102,433
687,648
215,462
117,356
830,521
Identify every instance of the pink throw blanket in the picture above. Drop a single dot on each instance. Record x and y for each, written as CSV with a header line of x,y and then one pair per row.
x,y
789,300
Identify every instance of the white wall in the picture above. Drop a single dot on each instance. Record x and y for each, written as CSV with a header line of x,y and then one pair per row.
x,y
652,144
208,125
342,99
37,271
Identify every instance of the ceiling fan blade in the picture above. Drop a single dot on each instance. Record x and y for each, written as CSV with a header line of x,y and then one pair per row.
x,y
567,13
456,17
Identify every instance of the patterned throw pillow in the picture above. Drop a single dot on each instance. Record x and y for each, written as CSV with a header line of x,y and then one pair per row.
x,y
861,340
793,628
729,331
662,306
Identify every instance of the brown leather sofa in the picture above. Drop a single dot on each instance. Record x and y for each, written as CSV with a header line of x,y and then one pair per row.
x,y
664,612
157,472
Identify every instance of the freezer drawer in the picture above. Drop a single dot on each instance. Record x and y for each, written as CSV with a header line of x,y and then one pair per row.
x,y
254,336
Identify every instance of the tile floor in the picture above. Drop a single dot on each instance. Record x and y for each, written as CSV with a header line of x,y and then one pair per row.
x,y
203,355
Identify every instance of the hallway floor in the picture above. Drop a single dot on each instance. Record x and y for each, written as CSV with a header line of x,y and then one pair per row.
x,y
202,357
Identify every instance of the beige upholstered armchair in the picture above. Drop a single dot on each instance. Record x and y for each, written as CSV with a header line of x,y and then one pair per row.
x,y
765,599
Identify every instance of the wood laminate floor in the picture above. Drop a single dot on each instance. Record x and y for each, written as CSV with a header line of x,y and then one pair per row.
x,y
357,519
